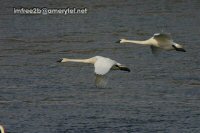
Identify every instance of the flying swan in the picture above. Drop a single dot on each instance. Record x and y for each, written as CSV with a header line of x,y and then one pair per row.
x,y
158,41
102,66
2,129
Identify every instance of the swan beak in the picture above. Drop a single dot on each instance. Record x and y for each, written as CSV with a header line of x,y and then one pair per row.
x,y
118,41
60,60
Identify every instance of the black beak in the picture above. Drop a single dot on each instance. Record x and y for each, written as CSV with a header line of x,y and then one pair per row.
x,y
179,49
118,41
60,60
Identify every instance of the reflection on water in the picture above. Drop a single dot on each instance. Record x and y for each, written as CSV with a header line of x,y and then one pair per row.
x,y
160,94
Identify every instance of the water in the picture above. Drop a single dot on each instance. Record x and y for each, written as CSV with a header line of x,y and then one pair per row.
x,y
161,94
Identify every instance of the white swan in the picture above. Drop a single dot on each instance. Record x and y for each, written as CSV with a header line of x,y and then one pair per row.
x,y
158,41
102,66
2,129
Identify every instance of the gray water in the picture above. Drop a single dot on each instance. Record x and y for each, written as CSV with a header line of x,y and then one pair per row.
x,y
39,95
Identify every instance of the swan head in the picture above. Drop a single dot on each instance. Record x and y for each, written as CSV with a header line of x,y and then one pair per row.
x,y
178,47
63,60
121,41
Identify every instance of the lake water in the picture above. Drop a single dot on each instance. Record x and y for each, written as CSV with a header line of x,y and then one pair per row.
x,y
39,95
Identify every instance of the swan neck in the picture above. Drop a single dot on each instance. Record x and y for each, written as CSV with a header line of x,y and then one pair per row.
x,y
90,60
145,42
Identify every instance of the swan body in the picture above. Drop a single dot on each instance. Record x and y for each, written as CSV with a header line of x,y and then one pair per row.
x,y
159,40
102,64
2,129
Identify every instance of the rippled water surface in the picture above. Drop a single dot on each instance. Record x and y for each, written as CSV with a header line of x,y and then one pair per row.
x,y
160,94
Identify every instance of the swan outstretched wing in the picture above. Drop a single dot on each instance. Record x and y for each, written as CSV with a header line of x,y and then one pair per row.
x,y
101,81
162,36
103,65
155,50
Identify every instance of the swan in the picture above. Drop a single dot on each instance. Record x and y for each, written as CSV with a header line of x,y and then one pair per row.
x,y
158,41
102,66
2,129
